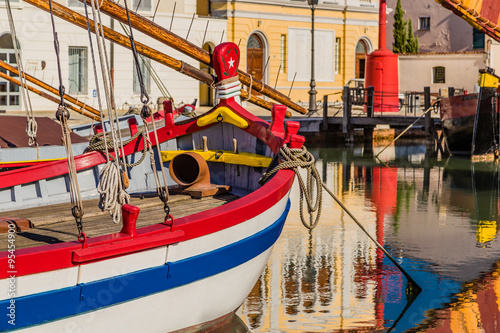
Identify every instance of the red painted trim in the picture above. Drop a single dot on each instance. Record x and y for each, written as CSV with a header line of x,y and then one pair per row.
x,y
257,127
128,246
57,256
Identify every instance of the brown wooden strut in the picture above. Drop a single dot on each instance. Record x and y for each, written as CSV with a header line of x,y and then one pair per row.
x,y
159,33
93,112
47,96
178,65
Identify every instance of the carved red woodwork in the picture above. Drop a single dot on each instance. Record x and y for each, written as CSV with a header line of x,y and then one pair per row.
x,y
226,59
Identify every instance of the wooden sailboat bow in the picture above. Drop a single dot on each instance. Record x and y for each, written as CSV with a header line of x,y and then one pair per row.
x,y
120,39
153,30
92,113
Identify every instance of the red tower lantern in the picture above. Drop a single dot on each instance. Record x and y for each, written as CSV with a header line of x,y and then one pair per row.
x,y
382,70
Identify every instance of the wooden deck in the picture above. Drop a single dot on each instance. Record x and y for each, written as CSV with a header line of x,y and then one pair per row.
x,y
55,224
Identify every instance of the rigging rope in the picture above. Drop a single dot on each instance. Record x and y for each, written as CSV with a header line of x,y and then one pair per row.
x,y
146,113
62,114
101,142
154,74
111,186
31,126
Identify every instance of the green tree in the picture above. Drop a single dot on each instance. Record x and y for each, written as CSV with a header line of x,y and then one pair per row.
x,y
404,40
411,40
399,30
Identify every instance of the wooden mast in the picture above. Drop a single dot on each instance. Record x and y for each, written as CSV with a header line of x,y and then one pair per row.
x,y
159,33
52,90
47,96
178,65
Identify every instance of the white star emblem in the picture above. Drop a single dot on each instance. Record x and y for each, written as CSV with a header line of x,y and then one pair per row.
x,y
231,63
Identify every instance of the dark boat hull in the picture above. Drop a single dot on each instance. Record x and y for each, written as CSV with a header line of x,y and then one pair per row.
x,y
457,118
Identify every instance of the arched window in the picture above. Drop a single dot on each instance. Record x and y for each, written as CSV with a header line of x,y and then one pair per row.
x,y
361,50
255,57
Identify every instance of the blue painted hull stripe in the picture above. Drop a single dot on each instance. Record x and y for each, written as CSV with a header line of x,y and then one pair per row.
x,y
57,304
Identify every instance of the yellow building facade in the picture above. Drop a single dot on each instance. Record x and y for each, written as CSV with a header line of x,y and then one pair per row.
x,y
275,42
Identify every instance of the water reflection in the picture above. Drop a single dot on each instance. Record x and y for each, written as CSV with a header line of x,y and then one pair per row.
x,y
438,218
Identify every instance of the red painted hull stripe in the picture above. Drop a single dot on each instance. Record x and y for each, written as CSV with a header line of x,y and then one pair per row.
x,y
57,256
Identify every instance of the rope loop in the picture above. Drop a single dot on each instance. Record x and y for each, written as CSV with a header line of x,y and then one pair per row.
x,y
112,196
31,129
293,158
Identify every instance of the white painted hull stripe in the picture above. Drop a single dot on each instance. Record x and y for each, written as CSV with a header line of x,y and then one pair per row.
x,y
53,305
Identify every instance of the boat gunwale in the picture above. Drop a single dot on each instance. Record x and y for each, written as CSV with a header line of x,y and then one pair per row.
x,y
59,256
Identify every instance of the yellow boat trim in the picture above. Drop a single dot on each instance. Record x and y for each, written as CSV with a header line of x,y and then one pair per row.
x,y
222,114
34,161
223,156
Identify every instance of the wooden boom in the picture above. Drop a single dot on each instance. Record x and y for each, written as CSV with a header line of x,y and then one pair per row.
x,y
47,96
149,52
93,112
153,30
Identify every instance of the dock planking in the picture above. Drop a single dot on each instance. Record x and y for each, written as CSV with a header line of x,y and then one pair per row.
x,y
55,223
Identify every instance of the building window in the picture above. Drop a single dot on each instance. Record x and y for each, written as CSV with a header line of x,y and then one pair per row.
x,y
144,64
438,75
141,5
337,55
77,70
75,3
424,23
283,54
477,39
203,7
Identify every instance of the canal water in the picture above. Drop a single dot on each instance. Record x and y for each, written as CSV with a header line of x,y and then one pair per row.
x,y
436,216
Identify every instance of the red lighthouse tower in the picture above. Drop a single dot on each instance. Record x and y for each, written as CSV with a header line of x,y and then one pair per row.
x,y
382,70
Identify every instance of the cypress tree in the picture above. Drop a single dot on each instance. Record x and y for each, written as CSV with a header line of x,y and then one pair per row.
x,y
399,30
411,41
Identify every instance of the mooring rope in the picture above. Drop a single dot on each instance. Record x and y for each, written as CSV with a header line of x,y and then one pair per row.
x,y
301,157
293,158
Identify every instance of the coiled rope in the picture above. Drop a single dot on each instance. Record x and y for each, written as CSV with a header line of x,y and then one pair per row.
x,y
101,142
111,196
293,158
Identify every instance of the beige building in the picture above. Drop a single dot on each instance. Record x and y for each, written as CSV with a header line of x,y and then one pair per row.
x,y
275,41
34,34
451,52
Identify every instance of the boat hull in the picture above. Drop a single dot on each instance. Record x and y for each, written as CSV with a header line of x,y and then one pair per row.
x,y
160,290
457,118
